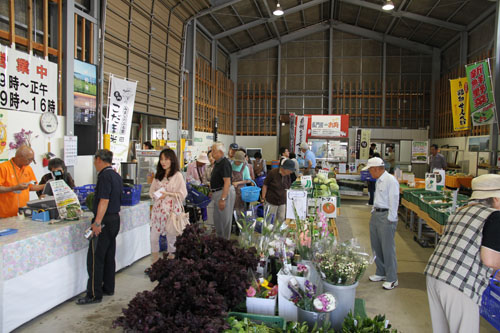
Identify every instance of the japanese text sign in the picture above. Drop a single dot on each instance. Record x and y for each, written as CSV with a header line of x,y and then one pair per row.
x,y
460,109
119,120
482,103
27,83
334,126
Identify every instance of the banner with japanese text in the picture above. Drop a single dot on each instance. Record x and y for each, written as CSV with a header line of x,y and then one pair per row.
x,y
334,126
302,124
482,102
121,98
460,106
27,82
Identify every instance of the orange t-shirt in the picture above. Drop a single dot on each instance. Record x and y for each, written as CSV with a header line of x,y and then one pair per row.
x,y
9,201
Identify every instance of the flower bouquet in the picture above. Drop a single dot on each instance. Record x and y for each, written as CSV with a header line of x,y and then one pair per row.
x,y
261,297
312,308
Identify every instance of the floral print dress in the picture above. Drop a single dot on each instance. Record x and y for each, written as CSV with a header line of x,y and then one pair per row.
x,y
162,208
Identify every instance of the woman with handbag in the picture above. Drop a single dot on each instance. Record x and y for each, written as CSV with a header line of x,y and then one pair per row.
x,y
168,191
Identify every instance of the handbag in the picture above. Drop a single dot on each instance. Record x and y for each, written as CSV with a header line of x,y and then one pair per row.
x,y
177,222
490,303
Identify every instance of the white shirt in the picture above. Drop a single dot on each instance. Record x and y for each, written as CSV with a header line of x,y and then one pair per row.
x,y
387,195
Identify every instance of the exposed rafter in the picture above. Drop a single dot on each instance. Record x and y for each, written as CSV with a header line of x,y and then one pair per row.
x,y
268,19
412,16
219,5
337,25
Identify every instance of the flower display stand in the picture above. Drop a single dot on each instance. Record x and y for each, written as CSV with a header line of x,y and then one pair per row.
x,y
263,306
345,297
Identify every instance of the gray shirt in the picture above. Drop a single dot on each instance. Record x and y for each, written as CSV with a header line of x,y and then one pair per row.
x,y
437,162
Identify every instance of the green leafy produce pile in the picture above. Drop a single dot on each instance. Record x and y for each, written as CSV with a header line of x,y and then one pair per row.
x,y
89,201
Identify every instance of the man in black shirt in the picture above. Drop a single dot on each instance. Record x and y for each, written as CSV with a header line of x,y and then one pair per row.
x,y
223,194
105,227
274,189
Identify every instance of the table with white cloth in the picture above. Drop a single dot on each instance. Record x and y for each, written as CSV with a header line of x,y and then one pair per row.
x,y
43,265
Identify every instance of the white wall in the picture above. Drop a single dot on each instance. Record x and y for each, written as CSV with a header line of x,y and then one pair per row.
x,y
84,171
464,156
269,145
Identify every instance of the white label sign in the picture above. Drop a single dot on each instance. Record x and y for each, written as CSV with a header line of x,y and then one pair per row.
x,y
329,206
70,150
297,199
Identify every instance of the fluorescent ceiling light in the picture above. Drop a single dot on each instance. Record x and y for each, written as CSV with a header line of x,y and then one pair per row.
x,y
388,5
278,11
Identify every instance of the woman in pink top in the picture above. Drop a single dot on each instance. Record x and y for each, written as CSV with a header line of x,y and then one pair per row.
x,y
196,169
168,191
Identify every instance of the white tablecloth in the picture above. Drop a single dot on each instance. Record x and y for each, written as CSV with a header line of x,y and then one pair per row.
x,y
43,265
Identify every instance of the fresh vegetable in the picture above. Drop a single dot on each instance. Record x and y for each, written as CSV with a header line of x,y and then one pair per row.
x,y
245,325
358,325
89,201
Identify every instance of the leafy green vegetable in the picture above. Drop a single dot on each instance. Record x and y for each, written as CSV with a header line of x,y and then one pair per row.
x,y
89,201
366,325
245,325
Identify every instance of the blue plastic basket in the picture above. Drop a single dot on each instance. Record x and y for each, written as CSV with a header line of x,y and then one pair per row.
x,y
366,176
82,192
490,303
260,181
250,193
131,195
197,198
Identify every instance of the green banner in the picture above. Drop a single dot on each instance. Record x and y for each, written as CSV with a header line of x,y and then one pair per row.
x,y
482,103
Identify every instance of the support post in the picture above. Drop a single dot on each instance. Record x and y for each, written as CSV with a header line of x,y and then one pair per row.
x,y
384,82
68,65
278,100
191,68
330,71
436,70
496,87
234,77
463,48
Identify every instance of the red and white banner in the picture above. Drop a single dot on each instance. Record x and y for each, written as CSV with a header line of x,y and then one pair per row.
x,y
320,126
27,82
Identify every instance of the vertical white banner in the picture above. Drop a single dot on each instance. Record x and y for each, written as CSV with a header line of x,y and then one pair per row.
x,y
301,127
120,109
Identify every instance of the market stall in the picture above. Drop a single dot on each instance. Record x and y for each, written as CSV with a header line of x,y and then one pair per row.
x,y
43,265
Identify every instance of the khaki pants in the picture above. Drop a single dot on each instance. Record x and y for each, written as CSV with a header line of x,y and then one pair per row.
x,y
451,310
279,212
223,218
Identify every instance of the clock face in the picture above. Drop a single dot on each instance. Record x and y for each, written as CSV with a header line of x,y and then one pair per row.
x,y
48,122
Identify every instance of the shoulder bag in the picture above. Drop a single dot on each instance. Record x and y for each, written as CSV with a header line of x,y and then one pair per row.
x,y
177,222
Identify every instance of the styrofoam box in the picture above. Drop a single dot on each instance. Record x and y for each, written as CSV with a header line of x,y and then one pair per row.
x,y
263,306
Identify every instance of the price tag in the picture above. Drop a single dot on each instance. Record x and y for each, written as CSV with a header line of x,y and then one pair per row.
x,y
329,206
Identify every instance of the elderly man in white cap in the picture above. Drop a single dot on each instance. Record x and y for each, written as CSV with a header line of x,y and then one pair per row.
x,y
466,256
309,158
383,223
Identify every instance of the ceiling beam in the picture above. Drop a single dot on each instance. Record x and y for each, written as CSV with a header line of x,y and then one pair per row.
x,y
218,5
412,16
284,39
255,23
378,36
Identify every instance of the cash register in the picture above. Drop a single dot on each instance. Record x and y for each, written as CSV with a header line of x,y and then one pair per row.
x,y
47,203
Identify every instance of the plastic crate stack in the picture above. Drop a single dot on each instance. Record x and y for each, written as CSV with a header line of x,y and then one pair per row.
x,y
131,195
82,192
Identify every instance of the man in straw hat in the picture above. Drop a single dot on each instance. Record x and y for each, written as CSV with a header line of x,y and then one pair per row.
x,y
383,223
464,259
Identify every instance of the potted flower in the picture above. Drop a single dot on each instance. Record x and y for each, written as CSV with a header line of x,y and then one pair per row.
x,y
261,297
312,307
341,268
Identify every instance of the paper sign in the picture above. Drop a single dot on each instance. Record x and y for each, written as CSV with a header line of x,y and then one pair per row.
x,y
342,168
70,150
324,172
67,202
329,206
440,178
352,167
306,181
297,199
419,151
430,181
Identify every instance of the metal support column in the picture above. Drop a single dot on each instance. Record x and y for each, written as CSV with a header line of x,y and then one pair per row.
x,y
384,82
68,65
234,77
191,68
330,71
464,36
436,70
496,86
278,100
213,59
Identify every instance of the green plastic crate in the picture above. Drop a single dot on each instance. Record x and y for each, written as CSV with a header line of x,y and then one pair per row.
x,y
416,196
423,203
409,194
270,321
437,215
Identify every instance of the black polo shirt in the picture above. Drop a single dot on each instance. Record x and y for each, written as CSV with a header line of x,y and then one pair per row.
x,y
222,169
109,186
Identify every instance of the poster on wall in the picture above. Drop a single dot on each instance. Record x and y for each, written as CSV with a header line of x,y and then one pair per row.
x,y
85,93
334,126
27,82
482,101
419,151
4,151
70,150
121,97
460,106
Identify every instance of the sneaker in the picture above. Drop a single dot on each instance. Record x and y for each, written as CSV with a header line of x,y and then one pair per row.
x,y
390,285
376,278
367,204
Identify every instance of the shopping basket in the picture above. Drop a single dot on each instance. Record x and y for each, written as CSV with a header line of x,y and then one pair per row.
x,y
490,303
260,181
250,193
196,198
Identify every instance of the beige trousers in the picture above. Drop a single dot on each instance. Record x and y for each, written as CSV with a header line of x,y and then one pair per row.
x,y
279,212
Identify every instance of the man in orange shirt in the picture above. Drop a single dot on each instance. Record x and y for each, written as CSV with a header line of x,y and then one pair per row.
x,y
16,180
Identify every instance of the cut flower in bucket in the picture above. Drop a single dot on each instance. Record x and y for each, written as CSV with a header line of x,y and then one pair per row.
x,y
305,297
261,288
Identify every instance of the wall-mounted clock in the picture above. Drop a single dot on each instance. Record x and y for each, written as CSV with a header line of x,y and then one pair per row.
x,y
48,122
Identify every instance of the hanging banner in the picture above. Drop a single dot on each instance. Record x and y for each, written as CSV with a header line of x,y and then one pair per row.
x,y
334,126
27,82
85,92
460,106
364,149
121,97
419,151
482,102
301,126
4,151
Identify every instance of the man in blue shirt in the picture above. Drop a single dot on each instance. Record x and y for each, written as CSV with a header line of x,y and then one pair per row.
x,y
309,157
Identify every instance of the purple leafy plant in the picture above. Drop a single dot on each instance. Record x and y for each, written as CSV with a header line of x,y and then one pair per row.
x,y
22,138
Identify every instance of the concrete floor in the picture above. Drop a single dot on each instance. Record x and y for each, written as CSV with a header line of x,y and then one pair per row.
x,y
406,306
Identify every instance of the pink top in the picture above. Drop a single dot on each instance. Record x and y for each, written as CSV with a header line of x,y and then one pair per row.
x,y
192,173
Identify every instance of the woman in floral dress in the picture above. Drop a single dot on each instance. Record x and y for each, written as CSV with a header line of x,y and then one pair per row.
x,y
168,192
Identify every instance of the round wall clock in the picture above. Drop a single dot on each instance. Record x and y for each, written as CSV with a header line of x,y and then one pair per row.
x,y
48,122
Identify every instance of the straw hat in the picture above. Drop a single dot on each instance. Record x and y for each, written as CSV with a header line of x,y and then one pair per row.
x,y
203,158
486,186
239,156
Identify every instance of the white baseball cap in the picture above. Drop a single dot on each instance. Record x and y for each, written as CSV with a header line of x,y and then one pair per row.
x,y
374,162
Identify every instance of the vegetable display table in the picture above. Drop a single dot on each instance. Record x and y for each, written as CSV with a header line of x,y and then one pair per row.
x,y
43,265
